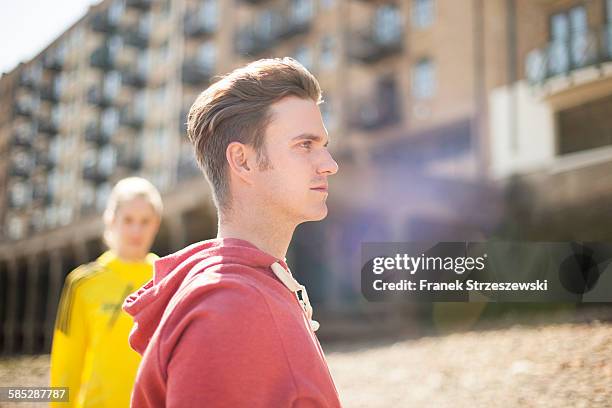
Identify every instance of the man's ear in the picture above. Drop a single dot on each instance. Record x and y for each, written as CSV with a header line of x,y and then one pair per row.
x,y
240,159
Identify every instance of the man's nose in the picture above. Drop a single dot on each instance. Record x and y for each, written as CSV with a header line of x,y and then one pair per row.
x,y
328,165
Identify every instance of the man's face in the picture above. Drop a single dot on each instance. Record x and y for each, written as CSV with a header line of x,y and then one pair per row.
x,y
134,228
296,144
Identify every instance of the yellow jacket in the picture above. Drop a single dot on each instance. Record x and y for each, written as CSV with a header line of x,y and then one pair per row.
x,y
90,352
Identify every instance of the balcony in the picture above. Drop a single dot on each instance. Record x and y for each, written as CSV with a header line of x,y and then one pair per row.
x,y
130,118
194,72
376,112
22,139
93,173
19,171
133,78
136,38
372,45
22,164
53,61
95,134
49,93
253,42
102,58
96,96
44,160
27,80
129,161
47,125
102,23
560,58
139,4
196,25
293,25
41,195
22,109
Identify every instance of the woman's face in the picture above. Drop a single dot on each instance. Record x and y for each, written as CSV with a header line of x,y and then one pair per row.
x,y
134,228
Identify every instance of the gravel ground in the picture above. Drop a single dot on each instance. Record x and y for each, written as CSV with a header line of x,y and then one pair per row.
x,y
565,365
561,365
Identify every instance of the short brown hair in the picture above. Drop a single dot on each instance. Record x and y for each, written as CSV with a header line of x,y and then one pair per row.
x,y
236,109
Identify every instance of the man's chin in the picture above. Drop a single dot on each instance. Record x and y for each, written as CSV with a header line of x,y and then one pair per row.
x,y
318,215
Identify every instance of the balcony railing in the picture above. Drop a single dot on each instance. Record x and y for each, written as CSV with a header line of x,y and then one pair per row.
x,y
139,4
130,118
22,138
377,111
252,42
93,172
561,57
195,72
49,93
41,194
44,160
28,81
132,77
130,161
53,62
371,45
136,38
47,125
102,22
22,109
95,134
96,96
102,58
196,25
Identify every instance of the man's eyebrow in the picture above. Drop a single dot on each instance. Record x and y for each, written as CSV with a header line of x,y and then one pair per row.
x,y
308,136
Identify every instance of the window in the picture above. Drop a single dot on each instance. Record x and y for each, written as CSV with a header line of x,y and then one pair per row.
x,y
102,195
303,56
107,160
114,44
207,13
115,11
301,11
16,228
110,120
267,24
207,55
387,24
112,84
51,216
21,194
327,4
569,39
328,55
424,79
142,62
423,13
327,112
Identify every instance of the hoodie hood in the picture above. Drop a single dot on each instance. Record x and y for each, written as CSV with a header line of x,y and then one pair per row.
x,y
147,305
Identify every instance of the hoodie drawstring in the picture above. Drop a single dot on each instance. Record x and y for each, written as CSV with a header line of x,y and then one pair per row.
x,y
294,286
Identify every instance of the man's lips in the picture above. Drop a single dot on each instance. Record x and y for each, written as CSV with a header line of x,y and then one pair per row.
x,y
322,188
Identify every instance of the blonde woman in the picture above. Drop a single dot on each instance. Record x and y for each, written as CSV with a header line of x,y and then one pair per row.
x,y
90,352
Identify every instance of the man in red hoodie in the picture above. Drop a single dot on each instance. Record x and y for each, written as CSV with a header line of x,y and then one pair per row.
x,y
223,323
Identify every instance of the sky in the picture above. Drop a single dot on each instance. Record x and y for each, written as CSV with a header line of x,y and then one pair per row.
x,y
28,26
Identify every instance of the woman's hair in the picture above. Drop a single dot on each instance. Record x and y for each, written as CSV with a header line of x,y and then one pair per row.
x,y
126,190
237,108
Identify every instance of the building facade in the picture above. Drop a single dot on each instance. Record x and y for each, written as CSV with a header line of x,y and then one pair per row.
x,y
455,119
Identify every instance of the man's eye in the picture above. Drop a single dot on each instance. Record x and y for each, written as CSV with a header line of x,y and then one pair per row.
x,y
307,144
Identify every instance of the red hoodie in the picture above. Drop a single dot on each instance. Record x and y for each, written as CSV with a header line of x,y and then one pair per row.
x,y
217,328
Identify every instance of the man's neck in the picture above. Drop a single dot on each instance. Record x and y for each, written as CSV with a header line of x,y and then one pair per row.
x,y
270,237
